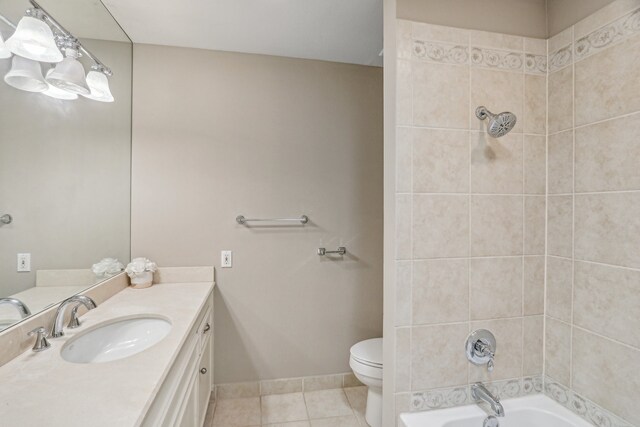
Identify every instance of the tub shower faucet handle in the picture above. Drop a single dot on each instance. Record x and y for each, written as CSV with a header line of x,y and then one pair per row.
x,y
481,348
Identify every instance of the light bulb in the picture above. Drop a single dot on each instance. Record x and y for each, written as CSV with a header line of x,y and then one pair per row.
x,y
69,74
26,74
33,39
99,85
56,93
4,51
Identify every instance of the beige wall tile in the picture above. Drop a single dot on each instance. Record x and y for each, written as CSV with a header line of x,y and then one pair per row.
x,y
561,100
533,285
404,144
498,91
560,40
237,390
350,381
322,382
495,288
535,104
533,335
559,226
403,359
535,160
440,291
604,91
607,228
535,46
607,373
440,161
422,31
508,359
404,93
496,225
403,38
281,386
558,351
403,226
496,40
534,225
437,102
607,155
561,163
444,368
607,301
559,288
403,293
603,16
496,164
440,226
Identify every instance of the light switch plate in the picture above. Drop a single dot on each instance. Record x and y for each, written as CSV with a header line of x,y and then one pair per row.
x,y
226,259
24,262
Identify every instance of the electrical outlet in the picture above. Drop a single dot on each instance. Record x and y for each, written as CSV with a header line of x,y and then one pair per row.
x,y
226,260
24,262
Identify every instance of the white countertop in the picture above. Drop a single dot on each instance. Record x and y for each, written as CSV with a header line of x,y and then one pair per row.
x,y
42,389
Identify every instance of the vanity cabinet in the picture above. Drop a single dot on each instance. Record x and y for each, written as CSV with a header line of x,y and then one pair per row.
x,y
184,395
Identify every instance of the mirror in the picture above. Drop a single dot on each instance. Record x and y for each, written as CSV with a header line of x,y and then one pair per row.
x,y
63,225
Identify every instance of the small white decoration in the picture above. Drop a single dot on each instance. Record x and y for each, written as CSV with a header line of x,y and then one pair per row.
x,y
141,270
107,267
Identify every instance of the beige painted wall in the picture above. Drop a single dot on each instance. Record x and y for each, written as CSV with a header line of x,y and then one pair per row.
x,y
65,175
562,14
520,17
218,134
593,266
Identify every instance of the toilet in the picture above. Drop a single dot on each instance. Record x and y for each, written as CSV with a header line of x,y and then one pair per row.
x,y
366,363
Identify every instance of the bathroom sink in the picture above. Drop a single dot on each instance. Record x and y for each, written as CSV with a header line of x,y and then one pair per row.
x,y
116,340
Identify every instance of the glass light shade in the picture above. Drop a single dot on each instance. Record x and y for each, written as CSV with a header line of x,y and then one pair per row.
x,y
26,74
54,92
4,51
33,39
69,75
99,85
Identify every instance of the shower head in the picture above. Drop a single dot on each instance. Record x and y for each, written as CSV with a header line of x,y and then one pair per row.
x,y
499,124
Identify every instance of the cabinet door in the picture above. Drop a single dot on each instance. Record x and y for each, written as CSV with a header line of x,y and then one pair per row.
x,y
189,417
204,381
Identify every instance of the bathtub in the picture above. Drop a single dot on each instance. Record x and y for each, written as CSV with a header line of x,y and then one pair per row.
x,y
531,411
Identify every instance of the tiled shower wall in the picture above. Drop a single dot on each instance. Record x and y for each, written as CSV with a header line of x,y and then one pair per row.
x,y
593,263
470,212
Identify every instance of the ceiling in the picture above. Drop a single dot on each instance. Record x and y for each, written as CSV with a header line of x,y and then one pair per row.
x,y
332,30
83,18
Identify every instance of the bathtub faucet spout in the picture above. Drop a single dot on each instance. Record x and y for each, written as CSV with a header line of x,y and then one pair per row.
x,y
480,393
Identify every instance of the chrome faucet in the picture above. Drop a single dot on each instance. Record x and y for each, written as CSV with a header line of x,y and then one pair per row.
x,y
57,329
480,393
22,308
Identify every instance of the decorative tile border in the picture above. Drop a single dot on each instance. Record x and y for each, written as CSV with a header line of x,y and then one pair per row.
x,y
561,58
458,396
596,41
491,58
447,53
581,406
441,52
609,34
535,64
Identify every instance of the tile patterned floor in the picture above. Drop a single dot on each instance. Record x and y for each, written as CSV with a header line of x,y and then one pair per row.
x,y
324,408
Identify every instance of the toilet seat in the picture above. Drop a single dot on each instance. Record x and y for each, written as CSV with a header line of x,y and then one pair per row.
x,y
368,353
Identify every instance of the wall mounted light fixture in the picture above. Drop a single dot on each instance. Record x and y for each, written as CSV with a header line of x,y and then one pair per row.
x,y
39,38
